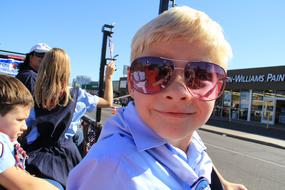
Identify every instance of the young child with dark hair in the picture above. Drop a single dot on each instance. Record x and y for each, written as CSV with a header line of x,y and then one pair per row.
x,y
15,104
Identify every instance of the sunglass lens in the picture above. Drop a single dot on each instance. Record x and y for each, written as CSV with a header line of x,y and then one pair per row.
x,y
205,80
41,55
151,74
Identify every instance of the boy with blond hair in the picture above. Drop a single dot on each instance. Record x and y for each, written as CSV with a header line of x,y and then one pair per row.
x,y
152,143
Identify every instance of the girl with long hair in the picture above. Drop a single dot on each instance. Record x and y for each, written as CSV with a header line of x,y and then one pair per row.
x,y
58,108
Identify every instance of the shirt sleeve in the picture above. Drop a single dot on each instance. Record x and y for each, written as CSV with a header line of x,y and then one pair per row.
x,y
90,101
103,168
98,174
7,159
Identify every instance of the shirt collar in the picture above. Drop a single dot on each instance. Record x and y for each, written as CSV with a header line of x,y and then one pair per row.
x,y
196,147
7,140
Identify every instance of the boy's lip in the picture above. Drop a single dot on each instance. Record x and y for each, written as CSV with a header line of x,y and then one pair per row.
x,y
177,114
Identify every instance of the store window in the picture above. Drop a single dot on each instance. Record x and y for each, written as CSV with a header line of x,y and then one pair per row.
x,y
280,94
269,93
235,104
217,112
244,105
269,107
227,98
256,107
280,113
280,108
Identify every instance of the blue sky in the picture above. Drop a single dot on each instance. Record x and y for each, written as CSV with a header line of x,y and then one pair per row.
x,y
254,28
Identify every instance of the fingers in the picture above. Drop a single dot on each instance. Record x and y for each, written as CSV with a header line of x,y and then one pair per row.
x,y
235,186
242,187
111,67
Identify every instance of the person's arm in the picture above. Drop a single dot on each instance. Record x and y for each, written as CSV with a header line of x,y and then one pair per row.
x,y
229,185
18,179
107,101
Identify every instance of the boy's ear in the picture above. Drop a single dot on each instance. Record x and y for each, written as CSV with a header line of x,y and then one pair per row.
x,y
130,84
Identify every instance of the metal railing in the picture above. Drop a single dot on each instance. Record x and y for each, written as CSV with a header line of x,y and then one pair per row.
x,y
92,128
91,131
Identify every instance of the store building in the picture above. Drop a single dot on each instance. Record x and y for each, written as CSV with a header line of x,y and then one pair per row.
x,y
254,95
9,63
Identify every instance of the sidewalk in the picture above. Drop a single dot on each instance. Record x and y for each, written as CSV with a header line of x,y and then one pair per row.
x,y
258,134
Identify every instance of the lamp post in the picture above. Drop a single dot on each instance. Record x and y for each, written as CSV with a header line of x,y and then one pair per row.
x,y
107,32
164,4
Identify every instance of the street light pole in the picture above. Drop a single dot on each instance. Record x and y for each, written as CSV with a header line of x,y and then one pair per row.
x,y
164,4
107,32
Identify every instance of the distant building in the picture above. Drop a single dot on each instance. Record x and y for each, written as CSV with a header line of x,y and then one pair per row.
x,y
255,95
80,80
91,87
123,86
116,88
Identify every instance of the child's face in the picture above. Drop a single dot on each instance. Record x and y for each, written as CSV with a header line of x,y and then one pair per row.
x,y
13,123
173,113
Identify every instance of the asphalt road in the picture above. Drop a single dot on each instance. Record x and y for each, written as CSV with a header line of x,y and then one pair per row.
x,y
257,166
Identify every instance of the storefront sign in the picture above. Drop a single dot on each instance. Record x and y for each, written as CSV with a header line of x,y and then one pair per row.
x,y
257,78
9,66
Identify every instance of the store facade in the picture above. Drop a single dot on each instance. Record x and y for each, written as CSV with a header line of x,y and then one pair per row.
x,y
254,95
9,64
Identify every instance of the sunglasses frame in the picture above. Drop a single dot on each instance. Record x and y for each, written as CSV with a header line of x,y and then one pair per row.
x,y
41,55
146,61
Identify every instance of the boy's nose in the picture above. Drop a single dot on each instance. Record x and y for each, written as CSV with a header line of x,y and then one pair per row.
x,y
177,90
24,126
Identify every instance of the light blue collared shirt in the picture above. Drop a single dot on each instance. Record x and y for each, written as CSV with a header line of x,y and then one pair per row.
x,y
121,158
85,103
7,159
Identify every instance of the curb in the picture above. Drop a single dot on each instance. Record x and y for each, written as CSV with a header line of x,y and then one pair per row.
x,y
244,138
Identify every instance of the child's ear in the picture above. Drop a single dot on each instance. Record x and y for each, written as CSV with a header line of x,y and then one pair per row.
x,y
130,84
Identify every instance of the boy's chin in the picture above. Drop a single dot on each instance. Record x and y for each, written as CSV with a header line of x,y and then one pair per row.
x,y
19,137
13,139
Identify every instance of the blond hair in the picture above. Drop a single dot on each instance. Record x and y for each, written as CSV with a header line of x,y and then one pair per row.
x,y
12,93
52,87
186,23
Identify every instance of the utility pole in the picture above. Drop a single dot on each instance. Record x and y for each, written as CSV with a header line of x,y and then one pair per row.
x,y
164,5
107,32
